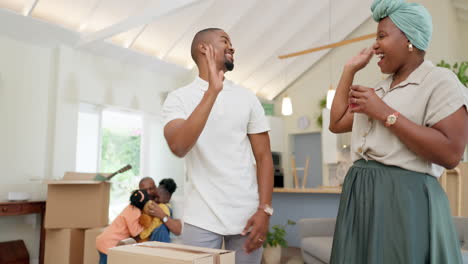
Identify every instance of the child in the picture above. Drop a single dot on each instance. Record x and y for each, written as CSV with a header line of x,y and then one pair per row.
x,y
124,226
158,231
152,223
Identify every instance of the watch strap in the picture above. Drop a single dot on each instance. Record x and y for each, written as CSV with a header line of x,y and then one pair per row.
x,y
267,209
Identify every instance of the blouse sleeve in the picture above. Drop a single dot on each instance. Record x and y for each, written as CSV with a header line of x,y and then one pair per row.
x,y
447,97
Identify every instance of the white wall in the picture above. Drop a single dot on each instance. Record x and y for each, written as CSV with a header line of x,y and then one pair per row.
x,y
83,77
24,104
162,163
463,33
24,100
40,90
448,43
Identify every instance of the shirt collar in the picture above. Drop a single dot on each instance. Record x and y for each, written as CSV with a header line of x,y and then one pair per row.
x,y
203,85
416,77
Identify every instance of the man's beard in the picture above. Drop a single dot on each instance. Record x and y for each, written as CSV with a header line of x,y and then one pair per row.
x,y
229,65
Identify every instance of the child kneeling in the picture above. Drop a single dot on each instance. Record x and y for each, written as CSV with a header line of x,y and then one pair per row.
x,y
125,225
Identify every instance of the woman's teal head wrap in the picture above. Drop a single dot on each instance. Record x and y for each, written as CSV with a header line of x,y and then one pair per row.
x,y
411,18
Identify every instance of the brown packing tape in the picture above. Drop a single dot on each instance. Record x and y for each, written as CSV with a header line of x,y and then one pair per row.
x,y
216,256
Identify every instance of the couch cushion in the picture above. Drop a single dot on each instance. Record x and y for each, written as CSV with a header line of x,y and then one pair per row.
x,y
462,230
465,256
319,247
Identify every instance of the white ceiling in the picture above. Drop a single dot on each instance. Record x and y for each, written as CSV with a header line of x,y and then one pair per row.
x,y
162,30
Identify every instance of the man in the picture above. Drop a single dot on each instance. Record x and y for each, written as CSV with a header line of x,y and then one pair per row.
x,y
161,194
216,126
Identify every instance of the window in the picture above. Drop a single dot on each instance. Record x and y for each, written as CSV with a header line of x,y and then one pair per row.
x,y
107,140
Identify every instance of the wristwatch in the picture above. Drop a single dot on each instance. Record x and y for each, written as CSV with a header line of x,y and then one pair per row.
x,y
391,119
165,218
267,209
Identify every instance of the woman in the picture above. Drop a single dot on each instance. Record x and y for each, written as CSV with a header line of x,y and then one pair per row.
x,y
404,131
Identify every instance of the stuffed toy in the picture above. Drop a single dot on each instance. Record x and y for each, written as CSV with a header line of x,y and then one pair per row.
x,y
149,222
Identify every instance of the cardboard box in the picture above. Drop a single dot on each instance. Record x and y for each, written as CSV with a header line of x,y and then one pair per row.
x,y
159,253
90,254
64,246
77,201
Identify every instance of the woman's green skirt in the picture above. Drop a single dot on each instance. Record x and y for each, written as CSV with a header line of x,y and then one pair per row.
x,y
389,215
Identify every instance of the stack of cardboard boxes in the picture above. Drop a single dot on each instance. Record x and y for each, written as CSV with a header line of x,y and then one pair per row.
x,y
76,212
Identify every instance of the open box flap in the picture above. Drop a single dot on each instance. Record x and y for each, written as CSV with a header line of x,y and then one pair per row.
x,y
174,252
78,178
156,244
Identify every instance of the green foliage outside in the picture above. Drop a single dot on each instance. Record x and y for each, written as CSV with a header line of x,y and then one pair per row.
x,y
276,236
120,148
269,109
458,68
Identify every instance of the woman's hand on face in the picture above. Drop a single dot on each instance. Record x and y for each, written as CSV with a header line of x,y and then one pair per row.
x,y
360,61
364,100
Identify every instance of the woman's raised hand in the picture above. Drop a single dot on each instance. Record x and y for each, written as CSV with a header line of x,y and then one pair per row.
x,y
360,60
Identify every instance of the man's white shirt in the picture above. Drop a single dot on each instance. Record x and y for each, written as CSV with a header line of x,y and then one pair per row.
x,y
221,192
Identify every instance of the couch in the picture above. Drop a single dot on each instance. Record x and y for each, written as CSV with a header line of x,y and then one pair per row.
x,y
317,238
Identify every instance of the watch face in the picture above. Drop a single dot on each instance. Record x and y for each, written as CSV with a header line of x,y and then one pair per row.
x,y
269,210
391,119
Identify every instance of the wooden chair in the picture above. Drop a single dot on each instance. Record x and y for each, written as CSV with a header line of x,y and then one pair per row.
x,y
451,182
305,169
14,252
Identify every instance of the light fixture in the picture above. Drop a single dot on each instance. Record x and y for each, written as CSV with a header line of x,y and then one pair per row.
x,y
330,96
82,27
286,107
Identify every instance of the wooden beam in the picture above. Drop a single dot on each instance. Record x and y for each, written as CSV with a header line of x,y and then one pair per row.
x,y
130,43
89,15
225,25
186,31
329,46
30,7
149,15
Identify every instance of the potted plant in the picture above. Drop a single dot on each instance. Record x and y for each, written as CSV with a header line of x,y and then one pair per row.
x,y
322,105
459,69
274,242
